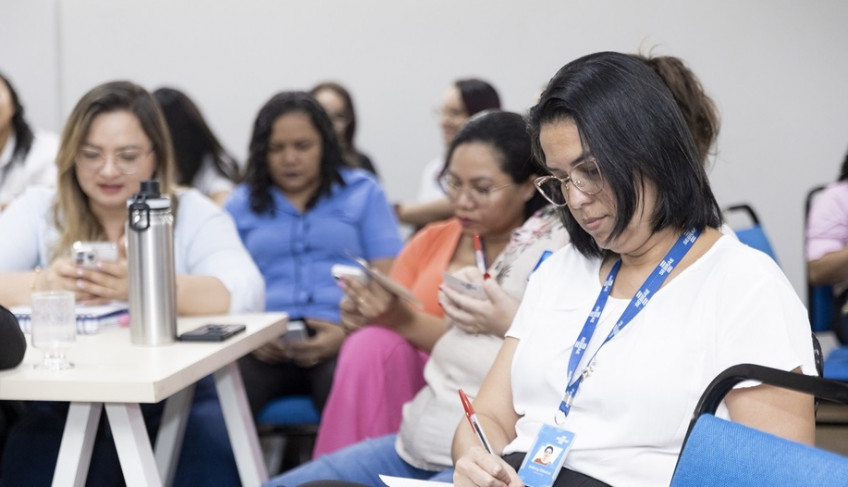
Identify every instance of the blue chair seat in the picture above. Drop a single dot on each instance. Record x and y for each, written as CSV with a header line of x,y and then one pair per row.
x,y
723,453
291,425
836,364
290,411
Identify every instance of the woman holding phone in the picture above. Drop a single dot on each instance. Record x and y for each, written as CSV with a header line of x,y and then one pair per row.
x,y
115,138
379,384
300,211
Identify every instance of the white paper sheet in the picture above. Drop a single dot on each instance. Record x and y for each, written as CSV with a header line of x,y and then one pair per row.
x,y
404,482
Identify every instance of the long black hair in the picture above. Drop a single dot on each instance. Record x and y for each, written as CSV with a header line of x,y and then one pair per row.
x,y
628,119
258,176
23,132
192,138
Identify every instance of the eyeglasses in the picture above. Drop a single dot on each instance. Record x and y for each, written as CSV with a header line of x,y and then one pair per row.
x,y
126,161
479,194
586,177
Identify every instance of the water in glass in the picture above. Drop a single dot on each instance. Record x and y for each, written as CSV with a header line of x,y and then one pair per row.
x,y
53,327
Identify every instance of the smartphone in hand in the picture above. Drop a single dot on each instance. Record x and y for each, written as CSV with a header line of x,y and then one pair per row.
x,y
465,287
388,283
340,270
296,331
87,254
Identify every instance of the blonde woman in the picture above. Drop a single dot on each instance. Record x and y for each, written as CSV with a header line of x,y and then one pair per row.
x,y
115,138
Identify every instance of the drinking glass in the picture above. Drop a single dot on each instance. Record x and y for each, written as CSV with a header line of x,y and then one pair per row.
x,y
53,327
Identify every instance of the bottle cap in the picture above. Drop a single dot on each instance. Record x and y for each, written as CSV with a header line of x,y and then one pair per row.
x,y
149,194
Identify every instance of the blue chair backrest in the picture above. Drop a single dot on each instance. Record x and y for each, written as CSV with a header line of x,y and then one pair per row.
x,y
820,304
755,237
720,453
752,235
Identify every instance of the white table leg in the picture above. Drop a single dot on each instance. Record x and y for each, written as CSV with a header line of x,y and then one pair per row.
x,y
133,445
169,440
240,426
77,443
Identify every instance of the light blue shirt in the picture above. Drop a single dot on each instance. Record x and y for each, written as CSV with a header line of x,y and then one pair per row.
x,y
295,251
205,243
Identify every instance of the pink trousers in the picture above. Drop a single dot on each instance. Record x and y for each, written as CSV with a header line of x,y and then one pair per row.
x,y
376,373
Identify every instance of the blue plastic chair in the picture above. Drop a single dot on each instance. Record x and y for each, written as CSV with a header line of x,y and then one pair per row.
x,y
753,234
819,298
717,452
293,421
836,364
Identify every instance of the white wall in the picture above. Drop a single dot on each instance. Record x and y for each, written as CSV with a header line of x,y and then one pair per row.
x,y
776,68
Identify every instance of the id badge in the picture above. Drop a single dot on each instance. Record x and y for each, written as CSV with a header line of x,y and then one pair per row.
x,y
544,461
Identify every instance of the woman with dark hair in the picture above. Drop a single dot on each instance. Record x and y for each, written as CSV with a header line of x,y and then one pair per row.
x,y
299,212
633,319
827,235
26,158
338,104
202,163
488,180
462,100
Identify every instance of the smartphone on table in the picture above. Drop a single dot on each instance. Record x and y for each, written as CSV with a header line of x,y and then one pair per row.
x,y
212,333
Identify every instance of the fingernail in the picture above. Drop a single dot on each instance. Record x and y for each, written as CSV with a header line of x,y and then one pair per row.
x,y
80,283
80,271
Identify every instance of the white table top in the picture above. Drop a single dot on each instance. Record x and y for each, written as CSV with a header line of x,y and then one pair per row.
x,y
108,368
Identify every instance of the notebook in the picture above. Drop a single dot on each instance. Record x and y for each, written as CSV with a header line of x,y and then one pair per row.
x,y
89,318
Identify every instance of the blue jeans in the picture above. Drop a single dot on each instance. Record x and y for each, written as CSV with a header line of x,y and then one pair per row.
x,y
362,463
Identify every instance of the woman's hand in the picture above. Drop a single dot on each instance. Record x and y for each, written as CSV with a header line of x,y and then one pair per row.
x,y
366,303
325,344
480,468
473,315
272,352
352,318
61,275
106,282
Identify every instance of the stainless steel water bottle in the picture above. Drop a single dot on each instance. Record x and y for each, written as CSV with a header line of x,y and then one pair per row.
x,y
150,255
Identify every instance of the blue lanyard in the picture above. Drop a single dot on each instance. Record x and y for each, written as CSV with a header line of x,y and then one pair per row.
x,y
639,301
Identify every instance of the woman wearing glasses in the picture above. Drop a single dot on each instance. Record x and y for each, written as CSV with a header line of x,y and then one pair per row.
x,y
488,180
631,321
461,101
115,138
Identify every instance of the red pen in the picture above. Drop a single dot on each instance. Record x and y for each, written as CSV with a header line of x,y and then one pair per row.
x,y
480,256
474,422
